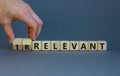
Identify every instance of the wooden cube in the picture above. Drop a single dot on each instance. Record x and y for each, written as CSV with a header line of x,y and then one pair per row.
x,y
17,44
64,45
92,45
83,45
36,45
102,45
74,45
55,45
46,45
27,44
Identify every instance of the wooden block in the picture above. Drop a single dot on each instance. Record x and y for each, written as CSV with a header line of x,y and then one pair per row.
x,y
36,45
64,45
92,45
17,44
102,45
46,45
83,45
74,45
27,44
55,45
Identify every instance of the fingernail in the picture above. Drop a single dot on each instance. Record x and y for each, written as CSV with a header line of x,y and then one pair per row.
x,y
34,39
10,42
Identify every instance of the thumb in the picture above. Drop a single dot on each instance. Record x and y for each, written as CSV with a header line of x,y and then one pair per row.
x,y
9,31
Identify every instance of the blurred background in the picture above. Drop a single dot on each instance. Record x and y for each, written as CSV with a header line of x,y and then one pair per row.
x,y
67,20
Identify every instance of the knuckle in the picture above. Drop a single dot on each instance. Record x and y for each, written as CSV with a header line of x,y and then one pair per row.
x,y
40,23
25,12
27,5
5,21
22,14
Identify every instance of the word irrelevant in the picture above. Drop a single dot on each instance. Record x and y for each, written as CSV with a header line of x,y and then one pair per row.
x,y
28,44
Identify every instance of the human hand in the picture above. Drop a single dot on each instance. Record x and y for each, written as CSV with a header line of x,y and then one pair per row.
x,y
12,10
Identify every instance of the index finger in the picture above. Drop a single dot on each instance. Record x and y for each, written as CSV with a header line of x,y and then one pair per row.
x,y
32,25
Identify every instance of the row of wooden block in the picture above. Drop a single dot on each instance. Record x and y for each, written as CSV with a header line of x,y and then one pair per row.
x,y
28,44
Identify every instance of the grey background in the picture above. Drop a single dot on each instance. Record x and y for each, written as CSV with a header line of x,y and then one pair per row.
x,y
67,20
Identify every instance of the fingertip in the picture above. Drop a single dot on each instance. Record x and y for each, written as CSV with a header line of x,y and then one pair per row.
x,y
11,39
32,36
